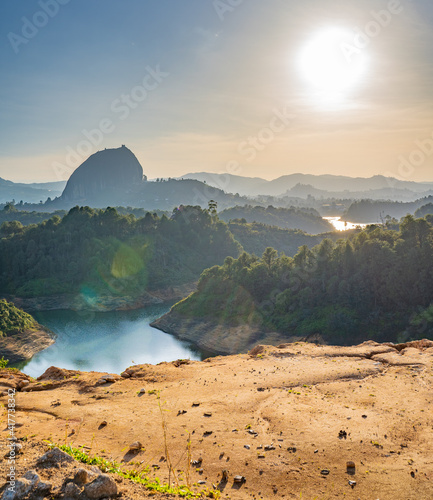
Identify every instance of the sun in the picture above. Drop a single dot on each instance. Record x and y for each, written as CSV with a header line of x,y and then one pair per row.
x,y
329,69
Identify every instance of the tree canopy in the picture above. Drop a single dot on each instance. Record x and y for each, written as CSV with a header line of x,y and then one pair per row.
x,y
106,252
376,285
14,320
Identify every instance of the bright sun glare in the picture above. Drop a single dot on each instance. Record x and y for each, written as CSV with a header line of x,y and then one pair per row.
x,y
329,67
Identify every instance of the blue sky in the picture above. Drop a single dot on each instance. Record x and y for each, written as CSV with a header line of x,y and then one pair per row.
x,y
220,74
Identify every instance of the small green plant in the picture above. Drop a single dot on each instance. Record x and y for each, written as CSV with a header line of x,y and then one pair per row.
x,y
135,476
188,460
3,362
166,450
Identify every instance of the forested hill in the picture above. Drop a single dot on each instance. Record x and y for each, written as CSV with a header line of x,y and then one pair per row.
x,y
424,210
377,285
14,213
255,237
100,252
296,220
13,320
11,214
106,253
370,211
308,220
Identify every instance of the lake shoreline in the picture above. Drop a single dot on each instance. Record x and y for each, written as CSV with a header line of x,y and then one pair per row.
x,y
218,338
103,303
109,340
22,346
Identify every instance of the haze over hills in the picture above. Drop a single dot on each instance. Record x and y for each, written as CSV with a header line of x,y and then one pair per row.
x,y
376,211
31,193
293,185
114,177
309,221
325,185
402,195
55,186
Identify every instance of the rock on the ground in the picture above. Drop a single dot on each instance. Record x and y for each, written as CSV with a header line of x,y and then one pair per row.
x,y
103,486
22,487
135,446
72,491
83,476
54,458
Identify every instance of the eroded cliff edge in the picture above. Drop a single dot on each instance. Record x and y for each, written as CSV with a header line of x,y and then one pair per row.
x,y
24,345
218,338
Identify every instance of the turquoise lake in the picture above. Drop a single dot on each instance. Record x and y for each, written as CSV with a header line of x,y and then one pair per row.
x,y
107,342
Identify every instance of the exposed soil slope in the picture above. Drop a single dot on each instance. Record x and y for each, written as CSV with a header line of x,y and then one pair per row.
x,y
24,345
219,338
287,418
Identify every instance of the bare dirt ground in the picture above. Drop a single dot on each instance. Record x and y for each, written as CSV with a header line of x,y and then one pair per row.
x,y
288,419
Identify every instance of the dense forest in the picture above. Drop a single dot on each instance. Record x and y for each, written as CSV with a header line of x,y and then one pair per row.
x,y
256,237
14,320
102,252
377,211
11,214
308,220
424,210
86,247
375,283
378,284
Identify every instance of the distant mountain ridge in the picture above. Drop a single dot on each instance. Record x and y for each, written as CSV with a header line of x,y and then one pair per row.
x,y
31,193
401,195
327,184
114,177
54,185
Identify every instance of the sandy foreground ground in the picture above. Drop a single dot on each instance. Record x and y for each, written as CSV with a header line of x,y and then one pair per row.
x,y
288,419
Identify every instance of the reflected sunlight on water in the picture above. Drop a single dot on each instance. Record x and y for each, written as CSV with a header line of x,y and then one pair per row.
x,y
341,225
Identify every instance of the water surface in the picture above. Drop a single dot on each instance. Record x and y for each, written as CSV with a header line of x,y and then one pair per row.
x,y
109,341
341,225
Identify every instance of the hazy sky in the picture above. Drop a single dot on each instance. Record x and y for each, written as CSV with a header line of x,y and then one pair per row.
x,y
253,87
